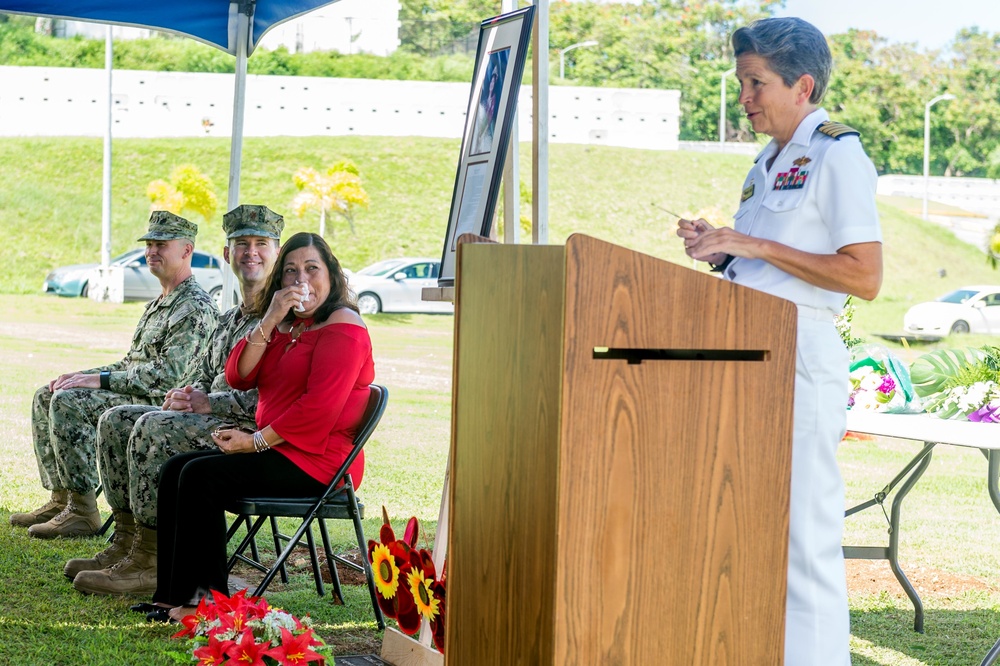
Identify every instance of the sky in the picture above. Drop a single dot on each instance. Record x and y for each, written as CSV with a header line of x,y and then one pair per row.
x,y
930,23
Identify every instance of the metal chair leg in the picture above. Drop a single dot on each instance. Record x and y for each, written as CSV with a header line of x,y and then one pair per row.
x,y
363,547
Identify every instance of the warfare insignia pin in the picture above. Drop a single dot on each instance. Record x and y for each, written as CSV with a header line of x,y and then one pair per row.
x,y
802,161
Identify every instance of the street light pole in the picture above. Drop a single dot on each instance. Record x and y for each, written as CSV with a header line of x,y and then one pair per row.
x,y
562,55
927,142
722,105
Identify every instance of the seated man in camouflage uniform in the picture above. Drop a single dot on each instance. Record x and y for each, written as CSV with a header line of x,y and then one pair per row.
x,y
174,327
135,440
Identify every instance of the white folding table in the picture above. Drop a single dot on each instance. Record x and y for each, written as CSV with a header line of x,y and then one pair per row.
x,y
932,431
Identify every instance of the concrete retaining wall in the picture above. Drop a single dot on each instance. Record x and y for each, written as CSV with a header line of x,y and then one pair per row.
x,y
43,101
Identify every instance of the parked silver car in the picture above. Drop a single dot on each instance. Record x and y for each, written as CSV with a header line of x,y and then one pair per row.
x,y
140,284
395,285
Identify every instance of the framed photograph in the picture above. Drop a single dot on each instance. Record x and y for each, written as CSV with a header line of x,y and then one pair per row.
x,y
492,110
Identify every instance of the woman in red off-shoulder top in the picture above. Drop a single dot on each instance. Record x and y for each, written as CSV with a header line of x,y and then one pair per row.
x,y
311,361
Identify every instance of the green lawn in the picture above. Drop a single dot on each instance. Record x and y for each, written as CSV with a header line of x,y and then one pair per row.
x,y
950,528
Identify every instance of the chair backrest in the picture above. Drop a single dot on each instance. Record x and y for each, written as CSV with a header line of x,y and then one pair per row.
x,y
378,397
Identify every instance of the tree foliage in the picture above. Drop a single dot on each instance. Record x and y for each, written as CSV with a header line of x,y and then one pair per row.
x,y
187,191
877,87
339,190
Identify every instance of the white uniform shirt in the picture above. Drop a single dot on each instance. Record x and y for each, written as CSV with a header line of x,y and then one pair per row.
x,y
817,197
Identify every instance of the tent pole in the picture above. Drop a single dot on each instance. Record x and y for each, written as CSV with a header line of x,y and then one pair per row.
x,y
106,178
236,144
540,128
511,173
239,100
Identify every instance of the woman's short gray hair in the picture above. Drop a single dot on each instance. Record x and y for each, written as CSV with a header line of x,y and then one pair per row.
x,y
792,47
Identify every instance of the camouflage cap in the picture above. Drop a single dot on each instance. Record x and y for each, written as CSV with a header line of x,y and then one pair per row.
x,y
164,225
253,220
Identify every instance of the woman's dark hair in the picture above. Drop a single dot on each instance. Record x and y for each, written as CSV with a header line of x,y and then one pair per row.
x,y
340,294
792,47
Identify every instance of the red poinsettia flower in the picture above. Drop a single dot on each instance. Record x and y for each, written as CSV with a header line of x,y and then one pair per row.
x,y
214,653
205,612
247,652
295,650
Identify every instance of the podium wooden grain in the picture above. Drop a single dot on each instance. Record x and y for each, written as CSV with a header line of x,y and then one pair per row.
x,y
608,512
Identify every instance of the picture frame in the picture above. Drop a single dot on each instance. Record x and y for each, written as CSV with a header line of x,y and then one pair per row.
x,y
491,112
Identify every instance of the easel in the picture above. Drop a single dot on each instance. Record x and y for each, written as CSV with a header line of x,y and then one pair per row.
x,y
397,648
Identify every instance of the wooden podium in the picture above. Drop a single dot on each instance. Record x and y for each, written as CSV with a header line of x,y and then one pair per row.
x,y
621,449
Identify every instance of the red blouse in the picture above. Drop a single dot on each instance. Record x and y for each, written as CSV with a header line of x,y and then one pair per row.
x,y
313,394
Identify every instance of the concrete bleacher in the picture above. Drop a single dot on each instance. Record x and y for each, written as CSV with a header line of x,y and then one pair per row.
x,y
46,101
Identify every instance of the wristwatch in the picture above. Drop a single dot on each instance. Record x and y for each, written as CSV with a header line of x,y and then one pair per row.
x,y
106,380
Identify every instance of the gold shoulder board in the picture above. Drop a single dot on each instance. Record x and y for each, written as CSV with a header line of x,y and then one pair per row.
x,y
837,130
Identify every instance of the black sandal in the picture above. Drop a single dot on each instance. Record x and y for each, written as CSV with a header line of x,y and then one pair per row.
x,y
159,614
142,607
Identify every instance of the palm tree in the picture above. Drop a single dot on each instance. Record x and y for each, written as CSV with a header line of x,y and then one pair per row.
x,y
339,191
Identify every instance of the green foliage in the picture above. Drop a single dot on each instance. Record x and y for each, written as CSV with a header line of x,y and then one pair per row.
x,y
187,191
843,322
941,369
432,27
339,191
877,87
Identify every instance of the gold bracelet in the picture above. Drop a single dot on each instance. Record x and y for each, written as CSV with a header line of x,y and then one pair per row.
x,y
262,336
251,342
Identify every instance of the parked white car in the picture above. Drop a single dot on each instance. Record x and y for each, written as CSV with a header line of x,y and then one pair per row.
x,y
974,309
139,283
395,285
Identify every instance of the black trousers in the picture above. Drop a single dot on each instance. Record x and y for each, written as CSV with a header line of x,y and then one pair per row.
x,y
191,519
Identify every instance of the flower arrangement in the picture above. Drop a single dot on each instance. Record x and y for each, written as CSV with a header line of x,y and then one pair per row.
x,y
873,389
960,383
247,631
880,382
407,582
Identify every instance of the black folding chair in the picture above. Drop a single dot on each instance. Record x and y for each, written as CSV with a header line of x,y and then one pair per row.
x,y
337,503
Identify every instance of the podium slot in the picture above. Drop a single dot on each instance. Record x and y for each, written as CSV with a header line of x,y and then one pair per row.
x,y
636,356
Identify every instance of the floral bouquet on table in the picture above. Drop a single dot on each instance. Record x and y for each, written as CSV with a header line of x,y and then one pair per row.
x,y
248,630
960,383
407,582
880,382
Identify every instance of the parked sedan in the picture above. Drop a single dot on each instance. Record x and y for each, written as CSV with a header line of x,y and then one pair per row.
x,y
395,285
974,309
140,284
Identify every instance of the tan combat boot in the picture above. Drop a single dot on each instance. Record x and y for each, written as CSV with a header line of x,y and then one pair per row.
x,y
136,574
79,518
43,513
120,544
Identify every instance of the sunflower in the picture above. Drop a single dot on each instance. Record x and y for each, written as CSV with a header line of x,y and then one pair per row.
x,y
423,597
386,572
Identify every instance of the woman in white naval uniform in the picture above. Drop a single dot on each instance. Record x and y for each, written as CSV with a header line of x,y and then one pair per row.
x,y
806,230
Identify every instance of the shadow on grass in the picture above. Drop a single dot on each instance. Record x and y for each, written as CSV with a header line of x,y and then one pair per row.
x,y
950,638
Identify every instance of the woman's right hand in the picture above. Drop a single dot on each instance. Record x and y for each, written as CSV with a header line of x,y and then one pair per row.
x,y
282,302
691,231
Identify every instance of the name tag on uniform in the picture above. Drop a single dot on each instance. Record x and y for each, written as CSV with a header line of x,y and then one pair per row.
x,y
747,193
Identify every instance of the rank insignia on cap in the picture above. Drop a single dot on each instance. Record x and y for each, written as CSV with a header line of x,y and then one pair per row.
x,y
802,161
747,193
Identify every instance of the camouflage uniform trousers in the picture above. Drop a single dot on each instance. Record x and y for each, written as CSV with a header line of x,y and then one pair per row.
x,y
64,431
133,443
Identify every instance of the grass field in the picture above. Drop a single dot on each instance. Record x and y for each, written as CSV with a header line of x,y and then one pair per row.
x,y
50,212
950,528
